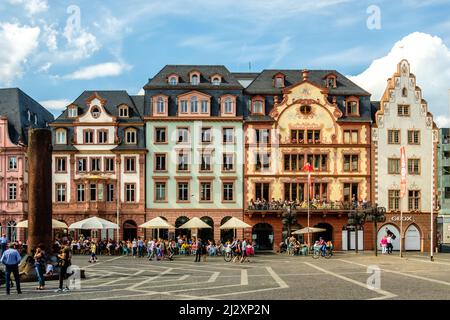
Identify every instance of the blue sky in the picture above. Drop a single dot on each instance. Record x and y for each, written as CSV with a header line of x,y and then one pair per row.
x,y
120,44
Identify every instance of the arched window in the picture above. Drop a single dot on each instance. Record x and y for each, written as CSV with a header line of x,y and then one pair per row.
x,y
228,105
173,80
404,92
61,136
216,81
95,112
160,108
194,105
279,82
257,106
11,231
195,79
130,136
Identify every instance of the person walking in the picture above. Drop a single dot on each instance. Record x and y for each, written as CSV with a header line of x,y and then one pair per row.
x,y
65,261
243,250
11,259
3,243
134,247
389,245
40,262
150,249
383,244
140,245
198,252
93,253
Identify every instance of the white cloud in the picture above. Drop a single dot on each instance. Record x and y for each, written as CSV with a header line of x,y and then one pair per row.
x,y
430,62
32,7
55,106
141,92
108,69
17,43
81,44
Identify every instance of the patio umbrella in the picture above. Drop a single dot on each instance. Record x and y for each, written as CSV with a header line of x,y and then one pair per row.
x,y
156,223
55,224
309,230
195,223
94,223
234,223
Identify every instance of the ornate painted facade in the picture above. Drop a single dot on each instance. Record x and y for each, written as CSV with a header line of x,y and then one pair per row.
x,y
99,161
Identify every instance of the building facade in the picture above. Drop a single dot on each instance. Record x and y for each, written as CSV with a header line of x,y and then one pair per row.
x,y
403,120
194,139
443,173
296,117
18,114
99,161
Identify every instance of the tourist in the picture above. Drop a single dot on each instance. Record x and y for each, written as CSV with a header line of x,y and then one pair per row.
x,y
40,262
237,251
150,249
323,246
64,258
389,245
11,259
3,243
93,253
243,250
383,244
198,252
140,245
134,248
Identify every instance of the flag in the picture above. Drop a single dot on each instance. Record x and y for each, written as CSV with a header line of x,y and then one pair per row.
x,y
308,167
403,172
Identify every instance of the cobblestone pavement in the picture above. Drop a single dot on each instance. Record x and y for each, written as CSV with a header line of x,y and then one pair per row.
x,y
268,276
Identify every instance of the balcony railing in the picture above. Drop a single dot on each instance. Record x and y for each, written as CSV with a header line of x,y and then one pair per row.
x,y
313,205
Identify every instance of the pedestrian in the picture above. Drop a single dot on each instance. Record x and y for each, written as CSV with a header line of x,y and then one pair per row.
x,y
93,253
40,262
389,245
151,249
198,251
244,250
64,261
3,243
134,247
11,259
383,244
140,244
237,251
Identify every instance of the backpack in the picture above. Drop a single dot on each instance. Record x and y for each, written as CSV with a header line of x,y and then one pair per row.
x,y
393,236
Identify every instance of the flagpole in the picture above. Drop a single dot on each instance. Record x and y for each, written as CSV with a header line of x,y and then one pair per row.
x,y
431,199
309,234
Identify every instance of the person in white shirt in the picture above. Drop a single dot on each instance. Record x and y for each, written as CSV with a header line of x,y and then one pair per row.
x,y
151,249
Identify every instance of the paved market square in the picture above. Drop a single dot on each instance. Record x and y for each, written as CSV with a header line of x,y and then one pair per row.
x,y
266,277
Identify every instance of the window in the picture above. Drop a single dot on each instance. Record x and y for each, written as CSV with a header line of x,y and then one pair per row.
x,y
228,162
130,164
12,191
404,92
81,193
109,164
160,189
160,106
93,192
350,136
81,164
446,170
350,162
130,136
413,136
228,188
183,191
297,136
184,106
102,136
331,82
258,106
130,189
228,105
318,161
279,82
228,135
73,112
394,166
262,161
195,80
95,111
413,200
205,162
216,81
350,192
413,166
403,110
173,80
194,105
305,136
160,164
61,136
206,135
262,136
394,199
109,192
160,135
88,136
394,136
261,191
12,163
60,192
95,164
123,112
61,165
204,106
313,136
352,108
183,135
294,162
183,161
205,191
295,191
305,109
447,193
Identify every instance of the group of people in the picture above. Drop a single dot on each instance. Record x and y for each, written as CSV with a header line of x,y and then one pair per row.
x,y
241,250
293,246
386,242
314,203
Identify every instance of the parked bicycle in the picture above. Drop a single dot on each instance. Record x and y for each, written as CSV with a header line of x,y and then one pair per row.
x,y
317,253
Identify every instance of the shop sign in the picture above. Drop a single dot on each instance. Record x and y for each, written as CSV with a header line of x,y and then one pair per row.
x,y
404,218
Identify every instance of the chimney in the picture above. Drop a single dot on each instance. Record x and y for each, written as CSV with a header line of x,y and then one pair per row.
x,y
305,74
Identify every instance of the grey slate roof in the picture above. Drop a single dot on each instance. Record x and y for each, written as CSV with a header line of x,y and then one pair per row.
x,y
263,84
15,104
160,79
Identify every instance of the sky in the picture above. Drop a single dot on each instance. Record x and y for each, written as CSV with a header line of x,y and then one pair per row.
x,y
54,50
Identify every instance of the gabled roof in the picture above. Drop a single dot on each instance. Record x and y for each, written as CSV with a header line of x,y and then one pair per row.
x,y
15,104
263,83
183,71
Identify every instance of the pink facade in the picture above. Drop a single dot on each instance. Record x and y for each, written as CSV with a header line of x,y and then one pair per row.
x,y
13,184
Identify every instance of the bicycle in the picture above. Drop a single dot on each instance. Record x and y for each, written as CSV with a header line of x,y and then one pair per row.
x,y
228,254
317,253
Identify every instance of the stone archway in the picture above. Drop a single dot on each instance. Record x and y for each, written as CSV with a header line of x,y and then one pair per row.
x,y
129,230
262,234
207,233
226,235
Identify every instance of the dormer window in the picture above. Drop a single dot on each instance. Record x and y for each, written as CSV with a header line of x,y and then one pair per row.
x,y
258,106
194,105
278,81
195,79
72,112
35,119
160,106
173,80
228,105
95,111
61,136
130,136
216,81
352,106
330,81
123,112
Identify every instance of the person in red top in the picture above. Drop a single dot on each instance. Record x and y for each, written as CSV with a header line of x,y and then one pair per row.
x,y
323,246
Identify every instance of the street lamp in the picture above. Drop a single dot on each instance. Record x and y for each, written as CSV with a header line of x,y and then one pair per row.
x,y
376,214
